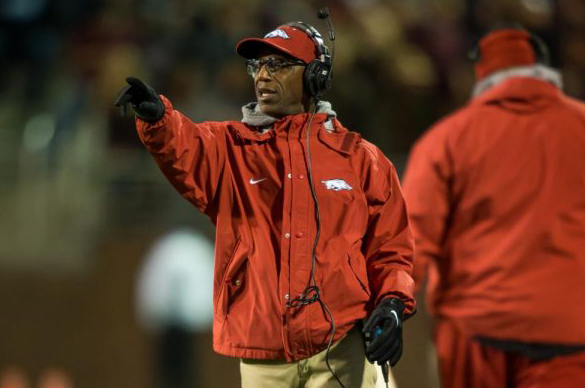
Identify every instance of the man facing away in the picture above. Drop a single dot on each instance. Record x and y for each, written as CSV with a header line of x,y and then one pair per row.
x,y
496,196
312,231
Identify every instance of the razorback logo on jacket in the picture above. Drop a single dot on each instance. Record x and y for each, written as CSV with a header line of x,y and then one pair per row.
x,y
336,184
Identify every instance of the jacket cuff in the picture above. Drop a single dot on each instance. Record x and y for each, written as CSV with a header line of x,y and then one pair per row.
x,y
398,285
145,127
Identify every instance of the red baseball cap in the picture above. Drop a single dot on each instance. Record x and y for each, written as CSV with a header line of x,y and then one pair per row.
x,y
504,48
287,39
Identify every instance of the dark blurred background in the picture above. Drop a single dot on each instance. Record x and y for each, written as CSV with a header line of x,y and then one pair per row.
x,y
81,202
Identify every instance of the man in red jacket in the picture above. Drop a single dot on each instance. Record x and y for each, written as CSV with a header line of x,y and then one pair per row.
x,y
496,197
312,231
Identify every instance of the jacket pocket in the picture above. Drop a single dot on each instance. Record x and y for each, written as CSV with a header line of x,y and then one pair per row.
x,y
358,267
234,278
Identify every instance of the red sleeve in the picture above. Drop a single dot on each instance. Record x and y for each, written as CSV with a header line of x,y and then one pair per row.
x,y
388,244
426,189
189,154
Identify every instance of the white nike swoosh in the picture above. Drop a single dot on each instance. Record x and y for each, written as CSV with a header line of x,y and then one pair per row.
x,y
395,314
254,181
396,317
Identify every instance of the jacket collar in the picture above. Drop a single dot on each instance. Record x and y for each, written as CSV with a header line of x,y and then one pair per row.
x,y
259,126
252,115
540,72
520,94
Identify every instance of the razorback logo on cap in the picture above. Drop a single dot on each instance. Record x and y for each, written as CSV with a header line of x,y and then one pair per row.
x,y
278,33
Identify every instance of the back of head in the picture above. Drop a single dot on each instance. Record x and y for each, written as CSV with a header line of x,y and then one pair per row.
x,y
505,48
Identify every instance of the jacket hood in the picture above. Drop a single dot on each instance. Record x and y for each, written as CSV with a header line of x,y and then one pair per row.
x,y
254,117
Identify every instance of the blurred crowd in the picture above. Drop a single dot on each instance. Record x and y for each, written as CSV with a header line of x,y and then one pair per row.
x,y
399,65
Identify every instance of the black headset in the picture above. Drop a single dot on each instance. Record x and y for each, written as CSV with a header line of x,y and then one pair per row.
x,y
318,76
539,47
540,50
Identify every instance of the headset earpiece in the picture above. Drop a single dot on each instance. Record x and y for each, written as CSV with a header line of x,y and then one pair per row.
x,y
317,77
540,49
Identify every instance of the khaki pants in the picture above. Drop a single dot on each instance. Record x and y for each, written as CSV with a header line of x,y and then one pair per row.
x,y
346,357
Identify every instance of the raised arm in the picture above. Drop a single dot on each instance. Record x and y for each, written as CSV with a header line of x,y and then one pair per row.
x,y
190,155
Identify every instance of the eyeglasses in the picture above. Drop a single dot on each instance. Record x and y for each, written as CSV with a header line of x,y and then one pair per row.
x,y
273,65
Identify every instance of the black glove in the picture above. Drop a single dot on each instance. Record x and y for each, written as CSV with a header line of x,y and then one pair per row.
x,y
384,327
146,103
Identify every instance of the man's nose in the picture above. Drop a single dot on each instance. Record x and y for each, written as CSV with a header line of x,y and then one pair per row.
x,y
263,73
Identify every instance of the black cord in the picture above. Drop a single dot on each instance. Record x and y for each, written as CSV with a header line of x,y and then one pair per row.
x,y
312,293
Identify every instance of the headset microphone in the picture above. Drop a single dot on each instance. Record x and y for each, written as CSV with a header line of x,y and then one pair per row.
x,y
324,14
